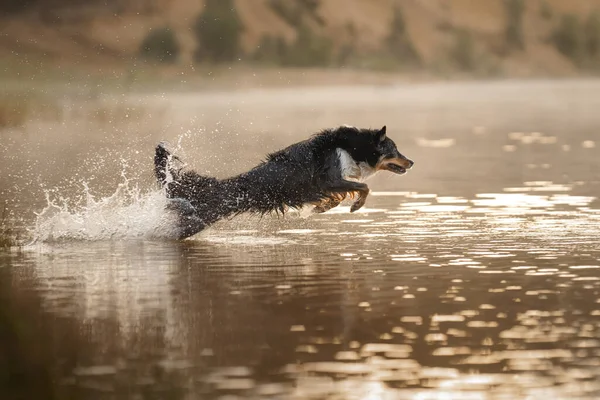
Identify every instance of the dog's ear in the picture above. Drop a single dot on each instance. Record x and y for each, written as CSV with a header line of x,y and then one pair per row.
x,y
381,134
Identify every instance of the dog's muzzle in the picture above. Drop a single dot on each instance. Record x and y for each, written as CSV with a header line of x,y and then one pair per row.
x,y
397,165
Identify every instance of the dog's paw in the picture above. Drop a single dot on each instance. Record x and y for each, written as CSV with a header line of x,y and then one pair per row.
x,y
319,210
358,204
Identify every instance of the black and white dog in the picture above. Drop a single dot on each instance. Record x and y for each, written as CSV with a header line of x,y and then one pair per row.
x,y
319,171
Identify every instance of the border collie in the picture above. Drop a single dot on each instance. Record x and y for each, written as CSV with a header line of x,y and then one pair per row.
x,y
321,171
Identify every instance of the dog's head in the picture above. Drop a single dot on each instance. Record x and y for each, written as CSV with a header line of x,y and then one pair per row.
x,y
373,147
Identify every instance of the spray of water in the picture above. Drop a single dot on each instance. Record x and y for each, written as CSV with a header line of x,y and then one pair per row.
x,y
128,213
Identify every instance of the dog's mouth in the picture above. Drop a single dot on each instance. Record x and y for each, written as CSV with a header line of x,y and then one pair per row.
x,y
396,165
395,168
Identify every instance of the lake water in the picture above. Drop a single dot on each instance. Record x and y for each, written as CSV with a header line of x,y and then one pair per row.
x,y
475,276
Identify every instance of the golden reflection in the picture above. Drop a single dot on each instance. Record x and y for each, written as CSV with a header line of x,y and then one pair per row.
x,y
418,297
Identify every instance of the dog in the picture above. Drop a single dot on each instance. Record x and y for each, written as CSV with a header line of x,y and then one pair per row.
x,y
320,171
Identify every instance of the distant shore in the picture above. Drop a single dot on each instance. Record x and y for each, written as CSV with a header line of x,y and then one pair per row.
x,y
30,73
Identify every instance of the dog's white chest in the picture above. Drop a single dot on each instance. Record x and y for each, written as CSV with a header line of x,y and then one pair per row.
x,y
351,170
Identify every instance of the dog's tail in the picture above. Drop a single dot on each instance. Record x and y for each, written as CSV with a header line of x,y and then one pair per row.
x,y
163,168
161,163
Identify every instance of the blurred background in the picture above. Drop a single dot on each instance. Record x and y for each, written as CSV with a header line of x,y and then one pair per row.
x,y
133,41
78,76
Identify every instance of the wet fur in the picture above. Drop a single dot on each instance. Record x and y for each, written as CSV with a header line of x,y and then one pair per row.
x,y
308,172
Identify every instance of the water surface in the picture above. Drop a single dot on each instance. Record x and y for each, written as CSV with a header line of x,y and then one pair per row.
x,y
475,276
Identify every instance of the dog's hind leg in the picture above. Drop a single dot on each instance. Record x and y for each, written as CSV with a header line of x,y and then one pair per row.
x,y
188,221
181,206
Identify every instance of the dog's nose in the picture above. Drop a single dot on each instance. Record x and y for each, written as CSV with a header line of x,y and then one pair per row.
x,y
410,163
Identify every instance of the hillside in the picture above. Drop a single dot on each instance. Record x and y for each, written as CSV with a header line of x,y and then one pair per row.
x,y
442,36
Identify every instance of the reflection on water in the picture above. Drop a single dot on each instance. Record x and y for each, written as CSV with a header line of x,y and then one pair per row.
x,y
473,277
418,296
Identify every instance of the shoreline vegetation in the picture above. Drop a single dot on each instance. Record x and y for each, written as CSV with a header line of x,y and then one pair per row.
x,y
212,48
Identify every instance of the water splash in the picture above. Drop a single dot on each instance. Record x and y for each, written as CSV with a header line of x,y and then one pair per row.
x,y
129,213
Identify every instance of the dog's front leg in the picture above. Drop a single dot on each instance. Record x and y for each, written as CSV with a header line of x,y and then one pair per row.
x,y
362,199
329,203
344,186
